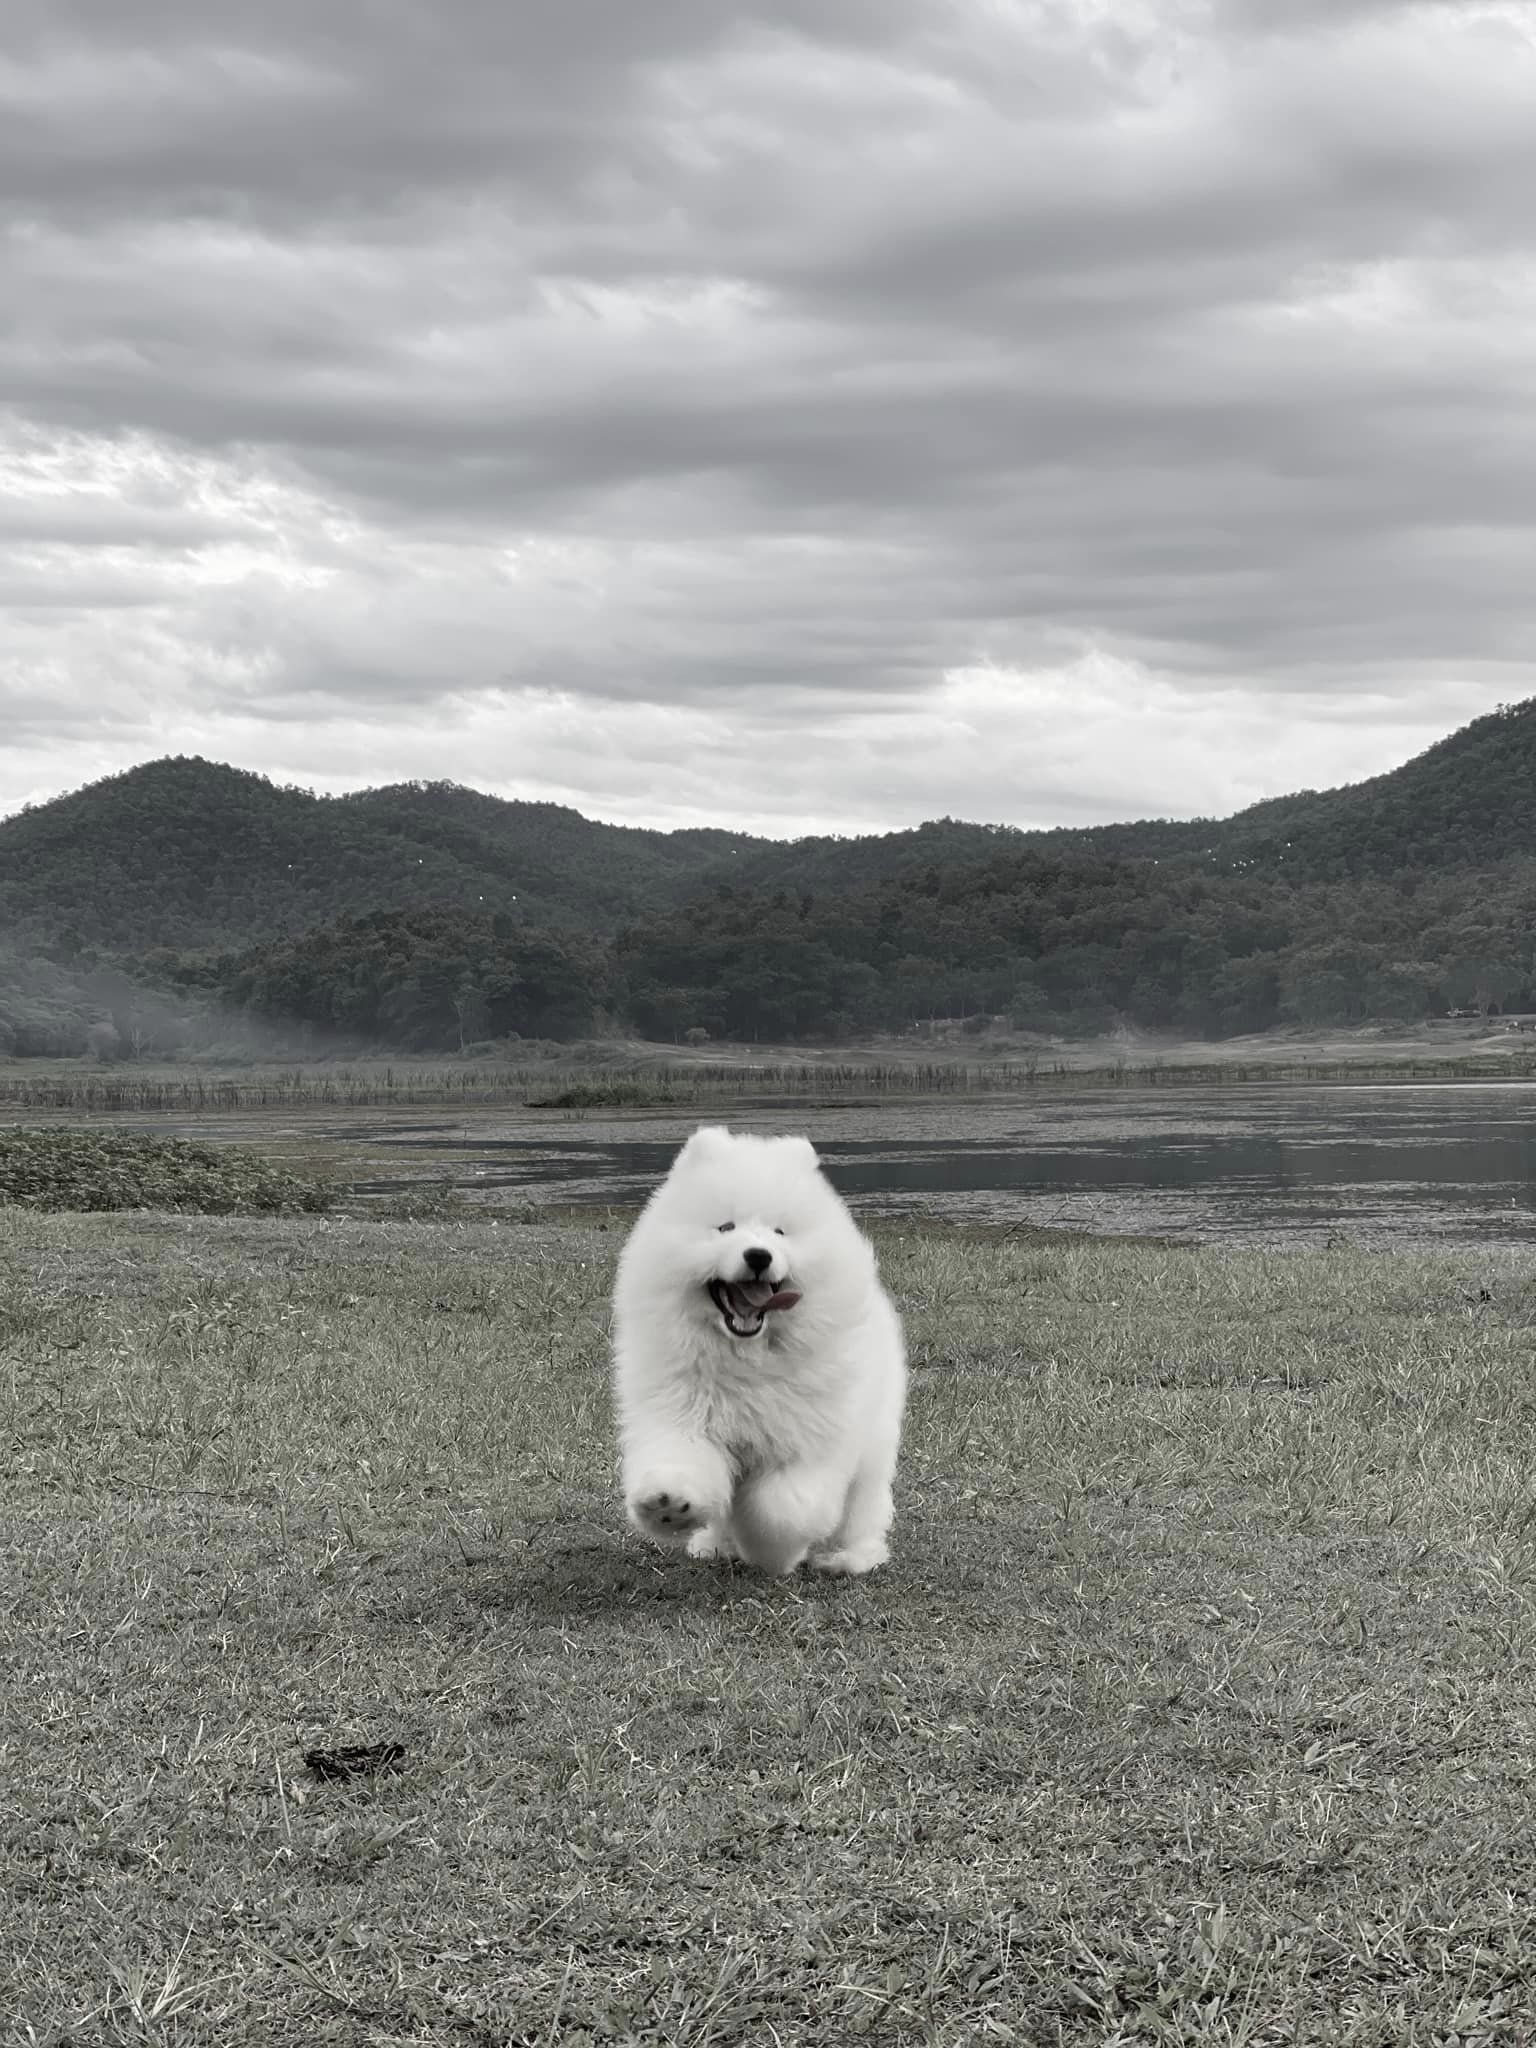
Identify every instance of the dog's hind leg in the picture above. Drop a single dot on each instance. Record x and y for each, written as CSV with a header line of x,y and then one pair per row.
x,y
778,1516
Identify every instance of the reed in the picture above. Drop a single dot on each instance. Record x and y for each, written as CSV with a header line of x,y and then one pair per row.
x,y
183,1091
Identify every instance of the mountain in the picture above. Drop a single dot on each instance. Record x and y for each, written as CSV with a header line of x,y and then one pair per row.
x,y
185,853
1469,801
433,916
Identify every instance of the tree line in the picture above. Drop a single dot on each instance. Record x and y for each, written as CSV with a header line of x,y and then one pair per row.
x,y
1042,942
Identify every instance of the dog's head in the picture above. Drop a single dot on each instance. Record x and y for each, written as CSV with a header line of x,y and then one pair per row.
x,y
747,1228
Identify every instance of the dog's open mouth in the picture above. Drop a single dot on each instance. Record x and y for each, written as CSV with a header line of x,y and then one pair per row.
x,y
743,1304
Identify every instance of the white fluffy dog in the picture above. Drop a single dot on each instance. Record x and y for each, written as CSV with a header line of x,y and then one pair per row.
x,y
759,1369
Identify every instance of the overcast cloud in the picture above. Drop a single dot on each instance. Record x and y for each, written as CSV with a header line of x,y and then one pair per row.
x,y
805,415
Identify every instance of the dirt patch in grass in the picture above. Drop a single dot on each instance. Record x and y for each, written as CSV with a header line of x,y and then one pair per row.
x,y
1196,1706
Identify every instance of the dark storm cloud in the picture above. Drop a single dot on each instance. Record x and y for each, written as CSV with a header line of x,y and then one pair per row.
x,y
676,352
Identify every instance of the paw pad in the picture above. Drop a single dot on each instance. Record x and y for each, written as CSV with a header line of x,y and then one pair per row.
x,y
668,1514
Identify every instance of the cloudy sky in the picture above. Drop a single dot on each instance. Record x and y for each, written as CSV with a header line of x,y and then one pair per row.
x,y
797,414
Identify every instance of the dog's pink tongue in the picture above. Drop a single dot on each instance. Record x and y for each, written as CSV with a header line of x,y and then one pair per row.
x,y
760,1297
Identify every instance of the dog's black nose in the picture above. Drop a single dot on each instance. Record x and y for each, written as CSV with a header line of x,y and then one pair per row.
x,y
757,1260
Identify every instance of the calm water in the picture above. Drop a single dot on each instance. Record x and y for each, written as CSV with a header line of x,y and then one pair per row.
x,y
1361,1164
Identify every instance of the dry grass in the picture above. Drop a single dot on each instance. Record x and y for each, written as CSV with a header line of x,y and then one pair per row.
x,y
1196,1708
634,1074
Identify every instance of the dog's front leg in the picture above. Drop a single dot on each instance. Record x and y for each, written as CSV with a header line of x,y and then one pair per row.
x,y
676,1486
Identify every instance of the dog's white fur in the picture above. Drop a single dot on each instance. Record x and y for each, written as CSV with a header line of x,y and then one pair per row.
x,y
772,1448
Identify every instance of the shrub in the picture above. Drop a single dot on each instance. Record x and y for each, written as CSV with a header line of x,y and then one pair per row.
x,y
606,1095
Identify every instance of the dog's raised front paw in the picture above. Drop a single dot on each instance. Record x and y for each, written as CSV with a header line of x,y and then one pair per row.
x,y
667,1513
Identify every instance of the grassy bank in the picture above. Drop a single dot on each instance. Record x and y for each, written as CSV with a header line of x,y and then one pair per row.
x,y
1196,1707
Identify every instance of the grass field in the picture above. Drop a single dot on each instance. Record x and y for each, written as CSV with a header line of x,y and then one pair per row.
x,y
1197,1706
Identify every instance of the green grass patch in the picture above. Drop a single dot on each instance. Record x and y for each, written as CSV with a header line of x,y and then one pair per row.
x,y
95,1169
1195,1707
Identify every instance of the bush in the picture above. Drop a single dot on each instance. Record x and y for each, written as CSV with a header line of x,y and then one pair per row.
x,y
71,1169
607,1095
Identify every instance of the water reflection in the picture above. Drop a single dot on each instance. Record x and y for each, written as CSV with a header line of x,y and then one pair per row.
x,y
1372,1164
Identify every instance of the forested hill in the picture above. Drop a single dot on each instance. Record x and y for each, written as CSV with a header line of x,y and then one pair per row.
x,y
1469,801
432,916
187,853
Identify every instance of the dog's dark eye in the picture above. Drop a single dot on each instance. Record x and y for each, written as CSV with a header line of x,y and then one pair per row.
x,y
725,1227
776,1231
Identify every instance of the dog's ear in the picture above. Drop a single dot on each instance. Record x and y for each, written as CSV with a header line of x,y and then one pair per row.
x,y
802,1151
707,1140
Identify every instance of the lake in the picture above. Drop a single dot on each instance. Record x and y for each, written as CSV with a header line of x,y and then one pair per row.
x,y
1367,1165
